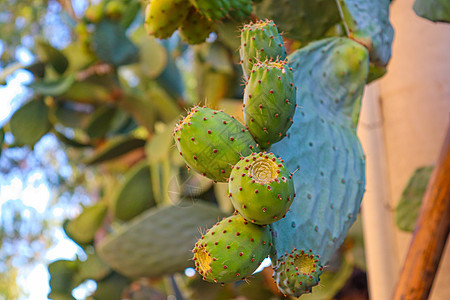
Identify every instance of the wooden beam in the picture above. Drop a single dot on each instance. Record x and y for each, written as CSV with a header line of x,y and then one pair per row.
x,y
430,234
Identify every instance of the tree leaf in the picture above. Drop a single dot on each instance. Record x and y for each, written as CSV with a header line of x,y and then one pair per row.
x,y
408,207
112,45
82,229
30,122
135,194
62,273
100,121
51,55
92,268
113,149
9,70
54,87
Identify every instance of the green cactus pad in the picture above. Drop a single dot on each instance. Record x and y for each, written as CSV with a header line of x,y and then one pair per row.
x,y
302,20
231,250
269,102
261,188
159,241
163,17
211,142
297,272
433,10
322,143
195,28
368,22
260,41
240,9
212,9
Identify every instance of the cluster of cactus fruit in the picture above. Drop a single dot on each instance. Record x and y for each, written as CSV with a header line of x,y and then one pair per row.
x,y
194,19
261,187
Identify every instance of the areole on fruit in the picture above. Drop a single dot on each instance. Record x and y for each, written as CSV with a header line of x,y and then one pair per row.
x,y
204,260
263,170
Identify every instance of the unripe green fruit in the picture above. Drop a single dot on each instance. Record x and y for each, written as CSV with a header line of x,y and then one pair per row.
x,y
260,41
211,142
195,28
232,250
114,9
269,102
297,272
94,13
261,188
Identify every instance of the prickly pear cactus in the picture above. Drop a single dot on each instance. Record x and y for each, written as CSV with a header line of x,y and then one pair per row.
x,y
212,9
211,142
433,10
303,20
163,17
260,41
240,9
368,22
297,272
231,250
323,145
269,102
195,28
158,241
261,188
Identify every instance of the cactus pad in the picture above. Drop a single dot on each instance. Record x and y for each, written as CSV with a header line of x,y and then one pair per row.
x,y
269,101
260,41
211,142
231,250
261,188
163,17
297,272
159,241
369,24
240,9
302,20
212,9
322,142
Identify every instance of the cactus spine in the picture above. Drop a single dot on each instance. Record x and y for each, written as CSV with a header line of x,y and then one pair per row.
x,y
261,188
231,250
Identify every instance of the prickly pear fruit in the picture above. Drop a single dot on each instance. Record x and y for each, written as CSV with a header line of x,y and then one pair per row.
x,y
297,272
212,9
232,249
261,188
163,17
211,142
269,101
260,41
240,9
114,9
195,28
94,13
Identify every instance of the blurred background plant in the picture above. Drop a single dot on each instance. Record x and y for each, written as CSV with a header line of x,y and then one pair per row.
x,y
88,104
